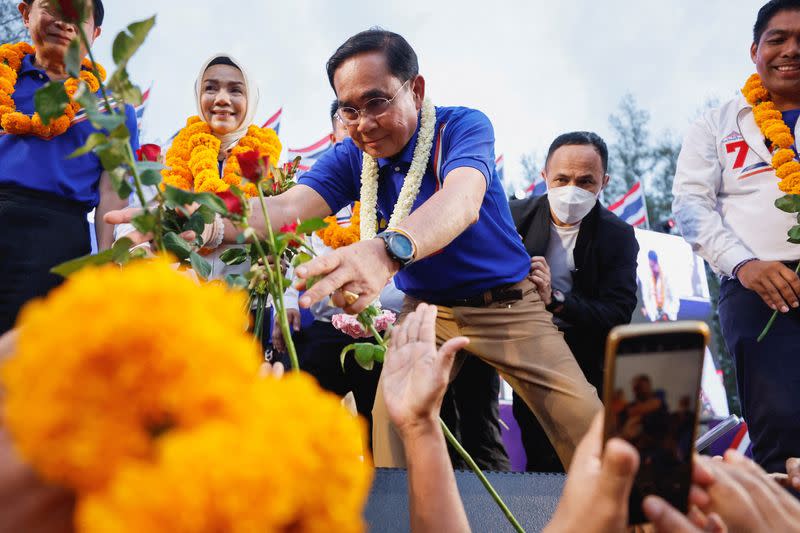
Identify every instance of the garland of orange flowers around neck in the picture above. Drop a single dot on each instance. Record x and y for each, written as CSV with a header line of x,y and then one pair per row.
x,y
770,121
17,123
193,159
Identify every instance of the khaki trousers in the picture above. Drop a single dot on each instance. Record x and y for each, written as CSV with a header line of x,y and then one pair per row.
x,y
521,342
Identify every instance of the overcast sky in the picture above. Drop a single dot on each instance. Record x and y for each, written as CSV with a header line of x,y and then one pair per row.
x,y
537,68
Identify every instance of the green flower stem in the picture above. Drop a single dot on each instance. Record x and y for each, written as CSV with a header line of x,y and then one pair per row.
x,y
88,45
277,296
774,315
465,455
377,335
137,183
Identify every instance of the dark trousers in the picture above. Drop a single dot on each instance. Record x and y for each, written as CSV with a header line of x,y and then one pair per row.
x,y
767,373
318,348
37,232
587,347
471,410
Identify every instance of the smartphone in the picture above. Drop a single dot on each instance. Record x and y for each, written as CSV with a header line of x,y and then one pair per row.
x,y
652,390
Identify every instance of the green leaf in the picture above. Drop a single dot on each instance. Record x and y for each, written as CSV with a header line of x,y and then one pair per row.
x,y
112,154
150,177
233,256
195,223
141,166
343,354
94,140
99,120
72,59
379,353
119,181
120,250
123,88
144,222
365,355
121,132
212,201
178,197
177,246
300,259
51,101
236,281
311,225
794,235
128,41
68,268
789,203
206,213
200,265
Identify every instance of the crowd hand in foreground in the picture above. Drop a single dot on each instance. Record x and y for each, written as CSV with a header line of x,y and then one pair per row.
x,y
26,503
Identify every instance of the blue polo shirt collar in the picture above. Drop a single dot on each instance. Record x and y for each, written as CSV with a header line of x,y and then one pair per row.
x,y
406,155
29,69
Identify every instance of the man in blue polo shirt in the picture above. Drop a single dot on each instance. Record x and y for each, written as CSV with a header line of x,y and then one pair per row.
x,y
457,248
45,197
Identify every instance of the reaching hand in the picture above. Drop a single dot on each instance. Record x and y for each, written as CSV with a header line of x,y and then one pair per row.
x,y
747,499
415,374
361,269
773,281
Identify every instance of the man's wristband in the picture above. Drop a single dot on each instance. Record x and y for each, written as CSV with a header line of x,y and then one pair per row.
x,y
740,265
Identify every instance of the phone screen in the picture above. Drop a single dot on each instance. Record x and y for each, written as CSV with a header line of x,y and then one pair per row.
x,y
653,405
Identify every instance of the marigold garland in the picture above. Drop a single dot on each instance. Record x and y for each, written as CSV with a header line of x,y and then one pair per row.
x,y
193,159
17,123
770,121
335,236
145,439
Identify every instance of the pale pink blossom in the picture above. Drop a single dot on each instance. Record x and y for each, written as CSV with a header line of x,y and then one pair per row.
x,y
349,324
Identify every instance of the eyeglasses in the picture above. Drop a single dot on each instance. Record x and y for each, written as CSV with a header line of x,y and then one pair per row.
x,y
374,107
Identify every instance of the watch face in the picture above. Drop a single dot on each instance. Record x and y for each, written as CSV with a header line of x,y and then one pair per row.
x,y
401,246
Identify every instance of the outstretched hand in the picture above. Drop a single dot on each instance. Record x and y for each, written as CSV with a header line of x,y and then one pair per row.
x,y
416,374
361,269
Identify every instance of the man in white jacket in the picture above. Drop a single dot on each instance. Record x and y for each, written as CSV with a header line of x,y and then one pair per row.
x,y
725,188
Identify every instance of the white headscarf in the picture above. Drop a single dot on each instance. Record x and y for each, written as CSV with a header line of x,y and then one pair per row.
x,y
229,140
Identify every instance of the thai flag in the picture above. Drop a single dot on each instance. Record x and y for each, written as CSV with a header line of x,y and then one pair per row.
x,y
538,187
274,121
499,165
630,207
140,109
312,152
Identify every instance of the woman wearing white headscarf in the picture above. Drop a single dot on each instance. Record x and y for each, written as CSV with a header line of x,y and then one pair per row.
x,y
202,155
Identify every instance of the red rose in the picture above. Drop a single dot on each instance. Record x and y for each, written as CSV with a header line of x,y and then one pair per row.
x,y
232,202
253,167
71,10
290,228
148,152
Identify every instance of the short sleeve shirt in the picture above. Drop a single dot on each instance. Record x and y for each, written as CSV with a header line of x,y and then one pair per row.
x,y
488,254
30,162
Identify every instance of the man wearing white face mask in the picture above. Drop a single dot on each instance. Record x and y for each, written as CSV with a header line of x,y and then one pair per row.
x,y
583,262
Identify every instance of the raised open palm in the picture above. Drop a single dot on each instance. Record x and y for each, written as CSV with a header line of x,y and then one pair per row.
x,y
415,374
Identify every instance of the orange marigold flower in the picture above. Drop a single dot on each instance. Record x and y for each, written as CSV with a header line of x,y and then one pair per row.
x,y
791,184
137,384
784,140
787,168
24,48
317,484
90,80
6,100
16,122
212,185
757,95
6,86
782,157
